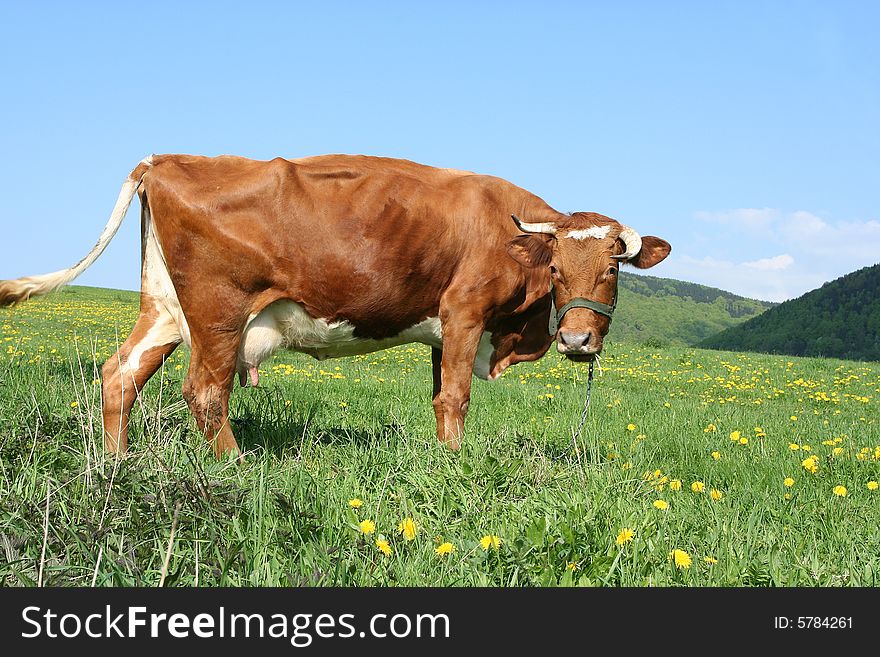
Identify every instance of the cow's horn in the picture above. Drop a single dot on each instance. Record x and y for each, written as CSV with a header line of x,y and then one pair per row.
x,y
633,242
545,227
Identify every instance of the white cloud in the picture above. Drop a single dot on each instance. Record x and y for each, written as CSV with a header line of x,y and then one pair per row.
x,y
783,261
770,254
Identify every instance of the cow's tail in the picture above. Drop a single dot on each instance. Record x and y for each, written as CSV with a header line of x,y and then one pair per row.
x,y
22,289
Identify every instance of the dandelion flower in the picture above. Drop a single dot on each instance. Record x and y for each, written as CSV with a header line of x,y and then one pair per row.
x,y
490,541
355,503
794,447
743,441
734,435
711,428
793,418
445,548
698,486
840,491
572,566
625,536
630,427
661,504
710,560
872,485
811,464
716,455
383,546
74,404
787,496
788,482
675,484
407,528
367,526
681,559
716,494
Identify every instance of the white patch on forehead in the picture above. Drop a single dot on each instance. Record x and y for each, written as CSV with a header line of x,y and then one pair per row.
x,y
597,232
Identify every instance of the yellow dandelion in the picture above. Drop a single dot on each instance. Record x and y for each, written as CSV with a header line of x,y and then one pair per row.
x,y
490,541
734,435
743,441
681,559
710,560
716,455
794,447
811,464
74,404
837,451
698,486
355,503
872,485
572,566
716,494
710,428
787,496
793,418
788,482
367,526
445,548
383,546
407,528
661,504
630,427
625,536
675,484
840,491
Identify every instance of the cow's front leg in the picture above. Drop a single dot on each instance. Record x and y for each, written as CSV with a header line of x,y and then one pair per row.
x,y
206,390
456,364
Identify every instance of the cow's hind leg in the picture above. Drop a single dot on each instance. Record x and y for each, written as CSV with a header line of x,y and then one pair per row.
x,y
154,336
206,390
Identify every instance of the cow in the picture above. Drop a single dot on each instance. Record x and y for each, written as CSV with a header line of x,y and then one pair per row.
x,y
338,255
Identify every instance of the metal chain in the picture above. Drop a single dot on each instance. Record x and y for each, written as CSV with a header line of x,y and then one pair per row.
x,y
586,404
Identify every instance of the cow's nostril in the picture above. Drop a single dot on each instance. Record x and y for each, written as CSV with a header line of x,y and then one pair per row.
x,y
574,340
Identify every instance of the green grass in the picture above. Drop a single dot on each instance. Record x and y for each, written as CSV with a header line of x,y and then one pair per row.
x,y
320,434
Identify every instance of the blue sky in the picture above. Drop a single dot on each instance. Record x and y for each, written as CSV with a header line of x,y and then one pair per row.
x,y
745,133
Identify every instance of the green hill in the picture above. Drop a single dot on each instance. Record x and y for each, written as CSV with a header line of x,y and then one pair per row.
x,y
839,319
666,311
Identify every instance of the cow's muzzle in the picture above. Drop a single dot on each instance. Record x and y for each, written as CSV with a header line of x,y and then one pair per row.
x,y
578,346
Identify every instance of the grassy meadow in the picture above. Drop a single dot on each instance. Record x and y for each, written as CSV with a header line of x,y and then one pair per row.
x,y
695,468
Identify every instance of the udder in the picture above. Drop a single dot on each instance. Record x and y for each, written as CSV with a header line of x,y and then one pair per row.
x,y
261,339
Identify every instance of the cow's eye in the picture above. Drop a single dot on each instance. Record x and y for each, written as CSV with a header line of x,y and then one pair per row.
x,y
553,271
612,271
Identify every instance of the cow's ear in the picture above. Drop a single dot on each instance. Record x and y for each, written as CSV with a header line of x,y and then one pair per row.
x,y
534,253
653,250
531,250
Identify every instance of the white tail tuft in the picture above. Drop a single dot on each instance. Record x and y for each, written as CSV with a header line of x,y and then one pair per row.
x,y
22,289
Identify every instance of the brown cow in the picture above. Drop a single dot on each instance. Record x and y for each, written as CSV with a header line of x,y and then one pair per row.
x,y
339,255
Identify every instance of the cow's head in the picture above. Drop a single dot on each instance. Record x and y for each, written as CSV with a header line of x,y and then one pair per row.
x,y
580,254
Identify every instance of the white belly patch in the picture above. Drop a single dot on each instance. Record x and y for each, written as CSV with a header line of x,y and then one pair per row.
x,y
286,324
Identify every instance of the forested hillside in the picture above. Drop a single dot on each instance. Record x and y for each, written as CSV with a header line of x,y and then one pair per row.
x,y
666,311
840,319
